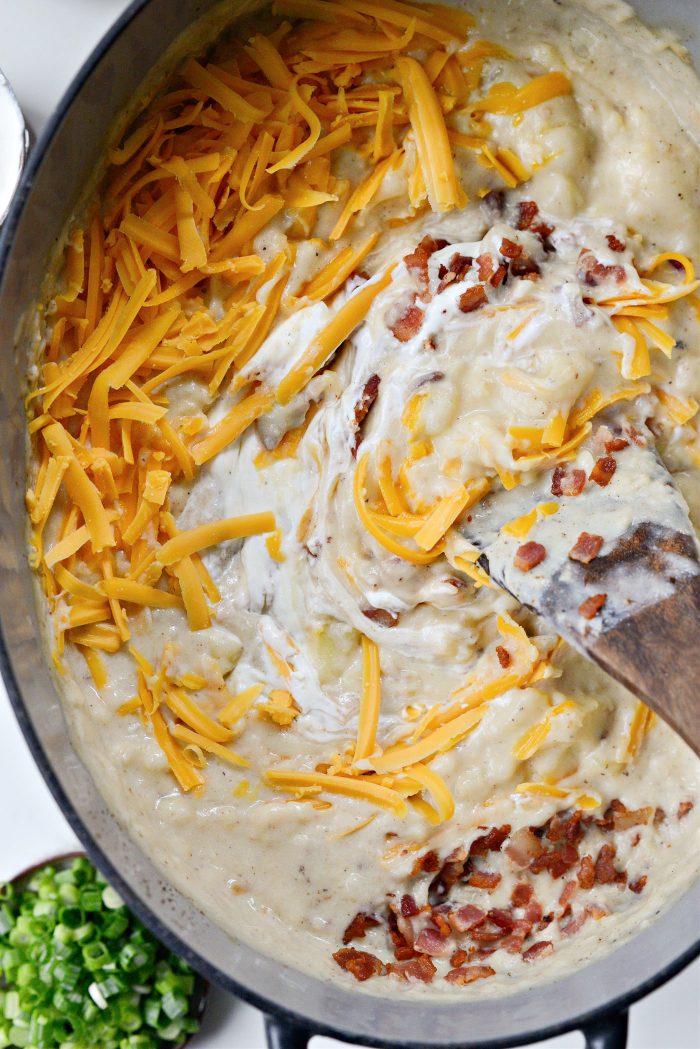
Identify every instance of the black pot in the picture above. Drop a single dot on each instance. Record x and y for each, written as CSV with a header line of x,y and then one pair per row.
x,y
595,998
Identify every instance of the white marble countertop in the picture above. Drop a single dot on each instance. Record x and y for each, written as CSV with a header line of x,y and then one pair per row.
x,y
42,44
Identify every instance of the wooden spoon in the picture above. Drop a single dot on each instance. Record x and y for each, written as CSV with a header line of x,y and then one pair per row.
x,y
630,602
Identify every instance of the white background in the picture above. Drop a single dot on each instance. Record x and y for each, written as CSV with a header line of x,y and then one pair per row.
x,y
42,44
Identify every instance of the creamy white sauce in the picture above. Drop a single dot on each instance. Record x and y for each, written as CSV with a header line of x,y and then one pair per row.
x,y
271,870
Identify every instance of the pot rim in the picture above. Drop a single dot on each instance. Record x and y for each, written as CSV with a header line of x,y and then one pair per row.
x,y
95,851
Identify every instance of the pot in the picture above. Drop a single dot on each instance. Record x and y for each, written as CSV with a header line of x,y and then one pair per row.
x,y
297,1005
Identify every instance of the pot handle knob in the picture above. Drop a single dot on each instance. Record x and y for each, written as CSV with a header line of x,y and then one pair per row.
x,y
608,1033
284,1033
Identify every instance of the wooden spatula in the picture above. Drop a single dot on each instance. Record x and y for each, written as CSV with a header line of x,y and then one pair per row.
x,y
630,602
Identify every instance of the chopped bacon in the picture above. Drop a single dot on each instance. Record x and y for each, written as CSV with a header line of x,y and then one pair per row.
x,y
590,608
525,267
597,912
567,895
361,964
684,808
381,616
408,323
458,958
557,861
586,548
533,911
605,871
502,918
469,973
592,272
575,923
486,266
602,472
614,243
438,917
472,299
659,817
527,210
544,232
450,872
569,829
510,250
359,925
490,842
638,885
567,482
429,941
465,918
367,398
417,260
484,880
487,933
420,968
455,270
428,863
618,817
409,907
616,444
497,278
586,873
538,950
401,938
521,894
514,941
504,657
529,555
523,847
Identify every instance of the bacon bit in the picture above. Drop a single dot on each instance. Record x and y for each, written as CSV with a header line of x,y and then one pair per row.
x,y
408,324
598,912
592,272
381,616
521,894
440,922
473,298
499,276
533,912
487,934
527,211
510,250
367,398
409,907
359,925
525,268
684,808
544,232
450,872
502,918
503,656
614,243
635,840
567,482
523,847
618,817
490,842
429,941
484,880
605,871
586,548
401,940
465,918
557,861
586,873
590,608
417,969
486,266
469,973
514,942
458,958
567,895
529,555
638,885
428,863
538,950
602,472
616,444
417,260
361,964
570,829
574,924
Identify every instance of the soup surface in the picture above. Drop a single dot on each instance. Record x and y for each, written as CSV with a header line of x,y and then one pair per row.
x,y
347,274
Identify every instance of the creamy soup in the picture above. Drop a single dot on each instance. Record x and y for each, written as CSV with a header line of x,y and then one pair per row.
x,y
348,275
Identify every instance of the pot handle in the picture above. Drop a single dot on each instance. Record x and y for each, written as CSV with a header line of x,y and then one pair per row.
x,y
608,1033
282,1033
